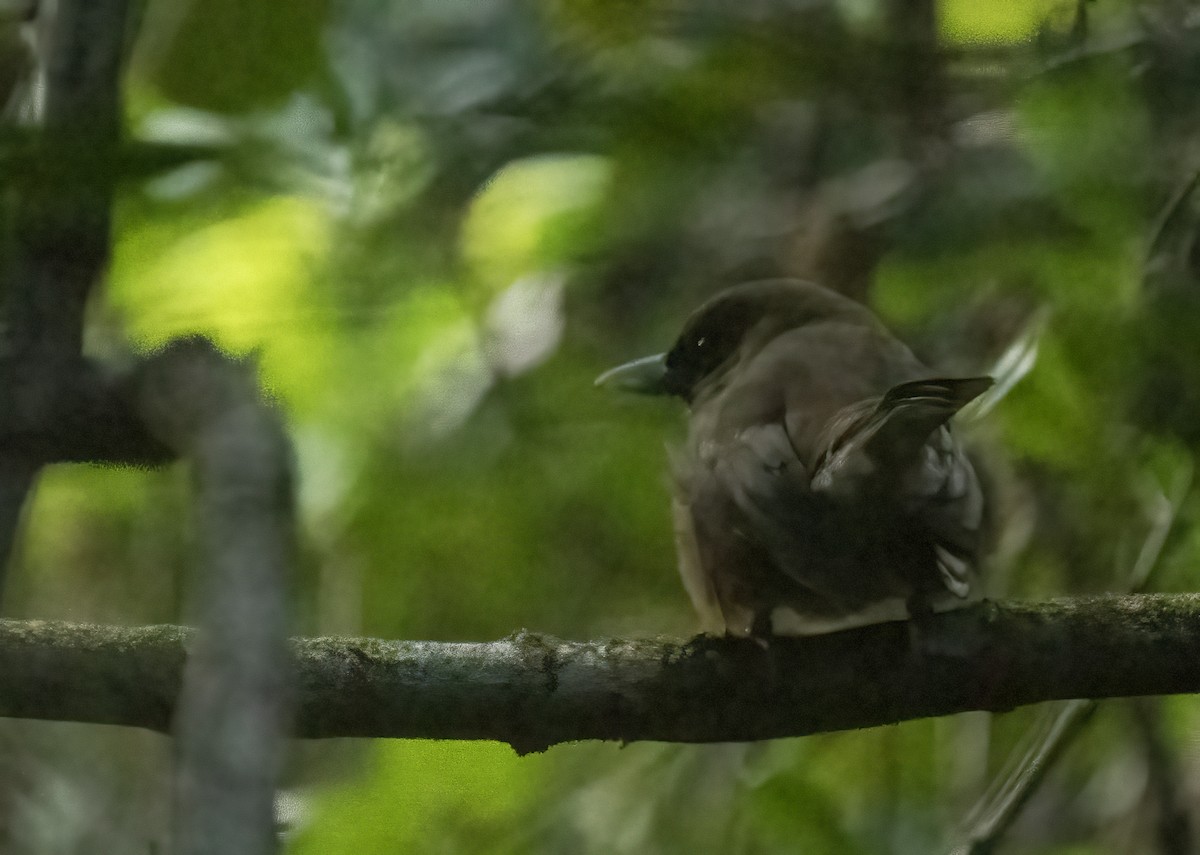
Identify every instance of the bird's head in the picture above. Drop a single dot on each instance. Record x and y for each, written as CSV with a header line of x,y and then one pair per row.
x,y
732,326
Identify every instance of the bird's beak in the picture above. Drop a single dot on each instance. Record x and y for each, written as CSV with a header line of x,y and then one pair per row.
x,y
646,376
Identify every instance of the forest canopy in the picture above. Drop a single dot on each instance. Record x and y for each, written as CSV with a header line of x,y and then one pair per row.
x,y
430,225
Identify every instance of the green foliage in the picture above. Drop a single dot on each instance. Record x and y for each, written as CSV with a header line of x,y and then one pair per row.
x,y
226,55
434,223
468,800
532,215
964,21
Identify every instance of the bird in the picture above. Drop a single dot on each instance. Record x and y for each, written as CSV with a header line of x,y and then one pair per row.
x,y
820,486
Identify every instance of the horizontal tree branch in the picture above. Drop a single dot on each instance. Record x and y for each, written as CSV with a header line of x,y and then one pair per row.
x,y
533,691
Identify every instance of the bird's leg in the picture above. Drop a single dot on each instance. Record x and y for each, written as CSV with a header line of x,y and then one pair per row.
x,y
920,618
761,630
930,637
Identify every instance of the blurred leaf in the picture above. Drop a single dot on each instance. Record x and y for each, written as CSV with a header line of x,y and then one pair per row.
x,y
792,815
1010,21
435,797
1018,359
231,56
245,279
1087,131
533,214
1051,417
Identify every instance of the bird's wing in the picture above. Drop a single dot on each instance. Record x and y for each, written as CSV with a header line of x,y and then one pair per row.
x,y
784,527
902,438
893,430
944,494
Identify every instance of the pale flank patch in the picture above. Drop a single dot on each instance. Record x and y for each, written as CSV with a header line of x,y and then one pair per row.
x,y
695,580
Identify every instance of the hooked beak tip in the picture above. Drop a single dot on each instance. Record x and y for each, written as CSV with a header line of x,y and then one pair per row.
x,y
603,379
645,375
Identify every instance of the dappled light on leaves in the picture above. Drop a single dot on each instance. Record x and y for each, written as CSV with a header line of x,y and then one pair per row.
x,y
432,224
1015,21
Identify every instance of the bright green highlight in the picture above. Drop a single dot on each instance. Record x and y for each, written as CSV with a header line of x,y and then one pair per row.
x,y
426,797
532,214
245,280
996,21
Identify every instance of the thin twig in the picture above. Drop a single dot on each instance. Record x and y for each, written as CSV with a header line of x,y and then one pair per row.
x,y
1174,826
1044,743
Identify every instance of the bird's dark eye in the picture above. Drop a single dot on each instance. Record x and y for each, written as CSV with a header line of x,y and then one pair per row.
x,y
710,348
698,354
709,340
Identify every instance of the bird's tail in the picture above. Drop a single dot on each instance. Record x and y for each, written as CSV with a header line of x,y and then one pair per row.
x,y
907,414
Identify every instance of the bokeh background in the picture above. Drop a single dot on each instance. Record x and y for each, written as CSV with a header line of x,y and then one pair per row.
x,y
435,222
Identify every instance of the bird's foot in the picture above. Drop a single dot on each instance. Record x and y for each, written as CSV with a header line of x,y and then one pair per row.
x,y
761,631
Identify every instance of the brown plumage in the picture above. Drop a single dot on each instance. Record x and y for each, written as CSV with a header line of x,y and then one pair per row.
x,y
820,486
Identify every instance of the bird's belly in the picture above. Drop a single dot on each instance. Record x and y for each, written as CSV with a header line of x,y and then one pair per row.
x,y
791,620
819,566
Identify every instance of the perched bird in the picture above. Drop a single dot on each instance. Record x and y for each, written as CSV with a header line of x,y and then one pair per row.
x,y
820,486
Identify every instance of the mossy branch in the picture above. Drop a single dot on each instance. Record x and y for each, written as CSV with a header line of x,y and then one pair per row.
x,y
534,691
